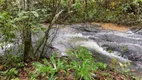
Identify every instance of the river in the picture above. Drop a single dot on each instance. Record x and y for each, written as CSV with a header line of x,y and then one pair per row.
x,y
109,41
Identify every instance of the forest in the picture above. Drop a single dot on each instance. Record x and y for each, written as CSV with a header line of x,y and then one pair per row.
x,y
70,39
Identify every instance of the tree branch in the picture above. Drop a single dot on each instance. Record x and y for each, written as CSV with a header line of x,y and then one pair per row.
x,y
46,37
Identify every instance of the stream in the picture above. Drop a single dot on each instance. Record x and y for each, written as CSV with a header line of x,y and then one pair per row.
x,y
122,45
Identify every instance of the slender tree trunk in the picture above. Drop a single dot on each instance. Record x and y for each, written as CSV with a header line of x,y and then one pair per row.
x,y
28,52
28,49
86,9
54,8
73,1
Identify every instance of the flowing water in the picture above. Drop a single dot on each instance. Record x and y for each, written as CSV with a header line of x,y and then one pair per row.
x,y
110,42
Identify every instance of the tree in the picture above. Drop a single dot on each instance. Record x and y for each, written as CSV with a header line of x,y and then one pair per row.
x,y
27,41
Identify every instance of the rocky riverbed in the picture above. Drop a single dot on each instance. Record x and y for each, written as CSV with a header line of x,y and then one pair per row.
x,y
125,46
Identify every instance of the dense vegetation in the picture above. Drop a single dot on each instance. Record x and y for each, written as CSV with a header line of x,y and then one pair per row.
x,y
80,65
24,17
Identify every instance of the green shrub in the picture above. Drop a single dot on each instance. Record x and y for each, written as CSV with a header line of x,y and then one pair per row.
x,y
83,65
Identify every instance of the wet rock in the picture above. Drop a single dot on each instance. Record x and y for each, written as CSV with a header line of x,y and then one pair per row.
x,y
108,44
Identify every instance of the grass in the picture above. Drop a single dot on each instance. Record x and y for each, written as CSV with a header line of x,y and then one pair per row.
x,y
79,66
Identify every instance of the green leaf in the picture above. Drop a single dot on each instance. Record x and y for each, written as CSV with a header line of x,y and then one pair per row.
x,y
44,69
35,13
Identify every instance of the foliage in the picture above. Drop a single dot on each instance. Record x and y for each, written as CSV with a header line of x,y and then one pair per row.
x,y
15,18
77,10
80,66
124,67
11,73
49,69
16,21
15,59
7,28
83,66
30,18
101,65
84,63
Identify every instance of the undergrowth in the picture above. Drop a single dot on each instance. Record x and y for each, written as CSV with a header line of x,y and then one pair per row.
x,y
80,65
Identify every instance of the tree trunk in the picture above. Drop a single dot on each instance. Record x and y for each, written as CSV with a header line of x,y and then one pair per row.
x,y
28,49
86,10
